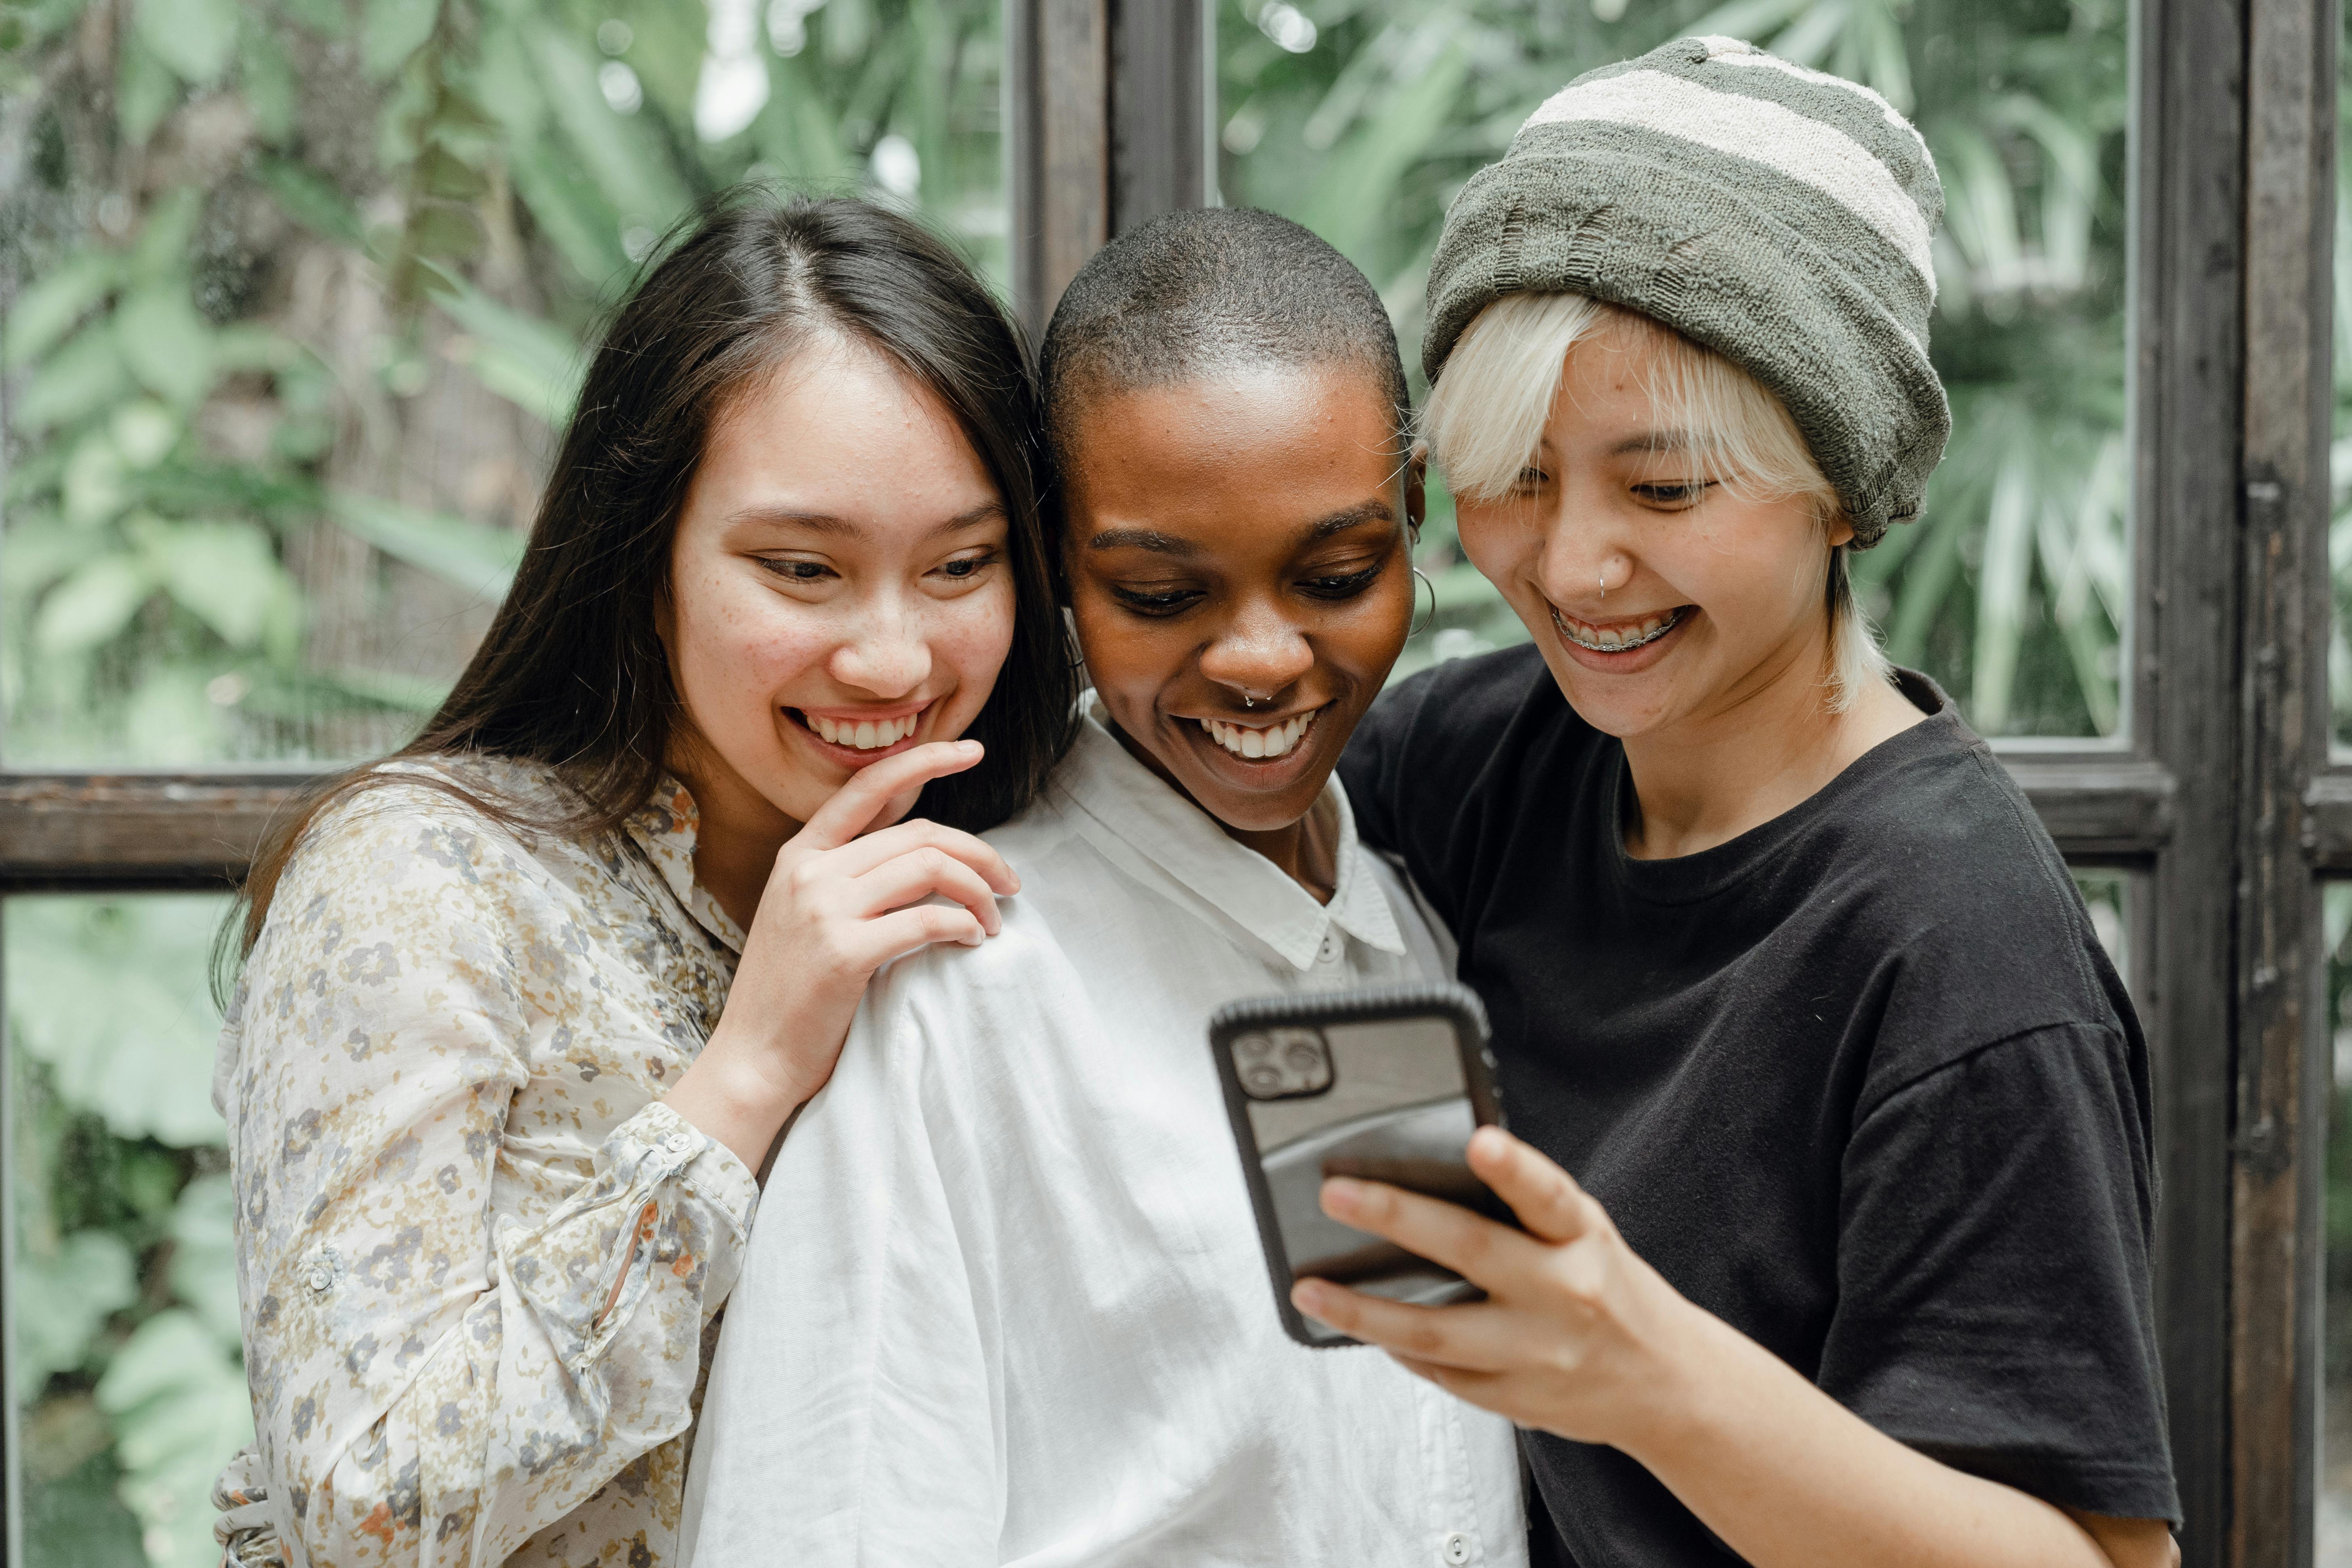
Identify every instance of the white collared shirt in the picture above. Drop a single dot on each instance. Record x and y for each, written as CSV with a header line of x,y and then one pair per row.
x,y
1004,1300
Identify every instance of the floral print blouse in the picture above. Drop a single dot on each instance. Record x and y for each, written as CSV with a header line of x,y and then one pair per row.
x,y
479,1259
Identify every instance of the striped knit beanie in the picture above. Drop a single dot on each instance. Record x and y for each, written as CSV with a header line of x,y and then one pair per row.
x,y
1778,215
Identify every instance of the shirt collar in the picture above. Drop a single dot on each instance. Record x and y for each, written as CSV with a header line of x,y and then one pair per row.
x,y
665,827
1104,783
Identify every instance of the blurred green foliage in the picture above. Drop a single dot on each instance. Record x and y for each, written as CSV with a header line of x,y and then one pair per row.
x,y
295,296
130,1381
1362,118
296,292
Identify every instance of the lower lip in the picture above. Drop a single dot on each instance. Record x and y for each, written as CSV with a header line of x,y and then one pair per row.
x,y
1258,773
1628,661
851,757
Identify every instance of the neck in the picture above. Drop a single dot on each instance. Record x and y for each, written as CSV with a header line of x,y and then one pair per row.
x,y
1760,749
1303,850
736,839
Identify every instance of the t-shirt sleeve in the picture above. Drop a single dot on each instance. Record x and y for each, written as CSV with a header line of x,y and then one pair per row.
x,y
1993,1258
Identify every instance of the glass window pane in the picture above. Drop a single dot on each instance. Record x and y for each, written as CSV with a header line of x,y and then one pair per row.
x,y
2333,1531
294,304
2339,531
130,1384
1361,119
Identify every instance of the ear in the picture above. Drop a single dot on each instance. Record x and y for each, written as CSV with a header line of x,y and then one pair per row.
x,y
1841,530
1416,490
665,617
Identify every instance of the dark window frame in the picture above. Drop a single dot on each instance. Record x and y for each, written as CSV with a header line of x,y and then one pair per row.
x,y
2225,798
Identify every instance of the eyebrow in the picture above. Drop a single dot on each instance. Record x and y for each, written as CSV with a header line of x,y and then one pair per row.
x,y
827,523
1160,544
1656,443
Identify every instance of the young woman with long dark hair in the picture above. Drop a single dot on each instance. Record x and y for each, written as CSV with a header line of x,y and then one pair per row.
x,y
526,1005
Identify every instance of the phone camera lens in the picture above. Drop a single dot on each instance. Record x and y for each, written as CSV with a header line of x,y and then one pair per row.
x,y
1264,1078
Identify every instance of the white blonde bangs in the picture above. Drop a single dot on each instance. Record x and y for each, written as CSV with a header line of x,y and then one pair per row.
x,y
1487,415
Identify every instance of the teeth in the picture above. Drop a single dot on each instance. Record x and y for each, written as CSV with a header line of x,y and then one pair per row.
x,y
1613,639
1275,741
866,736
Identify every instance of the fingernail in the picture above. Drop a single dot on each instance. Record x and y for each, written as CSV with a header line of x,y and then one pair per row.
x,y
969,745
1341,1195
1309,1295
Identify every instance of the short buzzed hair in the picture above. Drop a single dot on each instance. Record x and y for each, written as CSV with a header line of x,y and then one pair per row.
x,y
1189,295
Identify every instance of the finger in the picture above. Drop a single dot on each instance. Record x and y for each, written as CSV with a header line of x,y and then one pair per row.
x,y
915,875
894,935
1473,1247
861,855
1492,1390
1545,1197
1468,1335
872,793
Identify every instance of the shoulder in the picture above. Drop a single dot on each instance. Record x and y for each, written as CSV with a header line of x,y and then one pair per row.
x,y
1936,865
950,1023
1463,701
446,834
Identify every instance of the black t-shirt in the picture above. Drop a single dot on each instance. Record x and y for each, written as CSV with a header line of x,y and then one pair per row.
x,y
1859,1081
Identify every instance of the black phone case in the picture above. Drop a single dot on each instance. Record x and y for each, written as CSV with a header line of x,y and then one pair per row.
x,y
1455,1004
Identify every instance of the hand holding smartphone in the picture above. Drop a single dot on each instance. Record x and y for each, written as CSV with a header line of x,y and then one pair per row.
x,y
1386,1084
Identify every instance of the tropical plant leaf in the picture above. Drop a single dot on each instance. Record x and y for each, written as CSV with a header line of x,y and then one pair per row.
x,y
480,560
626,163
62,1299
180,1411
78,380
114,995
204,1257
194,37
310,199
94,605
225,574
167,346
529,362
49,307
394,30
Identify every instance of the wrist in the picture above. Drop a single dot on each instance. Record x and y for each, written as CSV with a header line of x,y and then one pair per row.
x,y
1690,1358
752,1077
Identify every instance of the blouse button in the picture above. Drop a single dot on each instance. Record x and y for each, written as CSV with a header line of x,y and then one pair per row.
x,y
678,1143
1456,1549
1328,952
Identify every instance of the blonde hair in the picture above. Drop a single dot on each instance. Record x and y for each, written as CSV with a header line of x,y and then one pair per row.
x,y
1487,415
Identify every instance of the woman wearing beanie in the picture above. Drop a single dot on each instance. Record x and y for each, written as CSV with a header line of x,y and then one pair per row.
x,y
1852,1266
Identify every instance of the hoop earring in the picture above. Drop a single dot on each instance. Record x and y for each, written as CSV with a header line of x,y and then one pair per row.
x,y
1424,582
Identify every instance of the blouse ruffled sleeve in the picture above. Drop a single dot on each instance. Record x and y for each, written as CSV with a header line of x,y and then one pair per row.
x,y
436,1380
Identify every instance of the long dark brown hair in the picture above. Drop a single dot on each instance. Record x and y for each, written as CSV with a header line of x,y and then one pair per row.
x,y
573,674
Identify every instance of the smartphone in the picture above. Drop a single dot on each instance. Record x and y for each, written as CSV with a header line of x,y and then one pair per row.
x,y
1385,1083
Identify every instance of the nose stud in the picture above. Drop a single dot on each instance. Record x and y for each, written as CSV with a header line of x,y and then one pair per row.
x,y
1603,579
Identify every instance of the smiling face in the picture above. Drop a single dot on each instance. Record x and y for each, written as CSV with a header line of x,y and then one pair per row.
x,y
1657,592
838,588
1238,570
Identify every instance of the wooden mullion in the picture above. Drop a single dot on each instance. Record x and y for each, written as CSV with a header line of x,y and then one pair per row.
x,y
2277,1144
1058,109
2187,173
